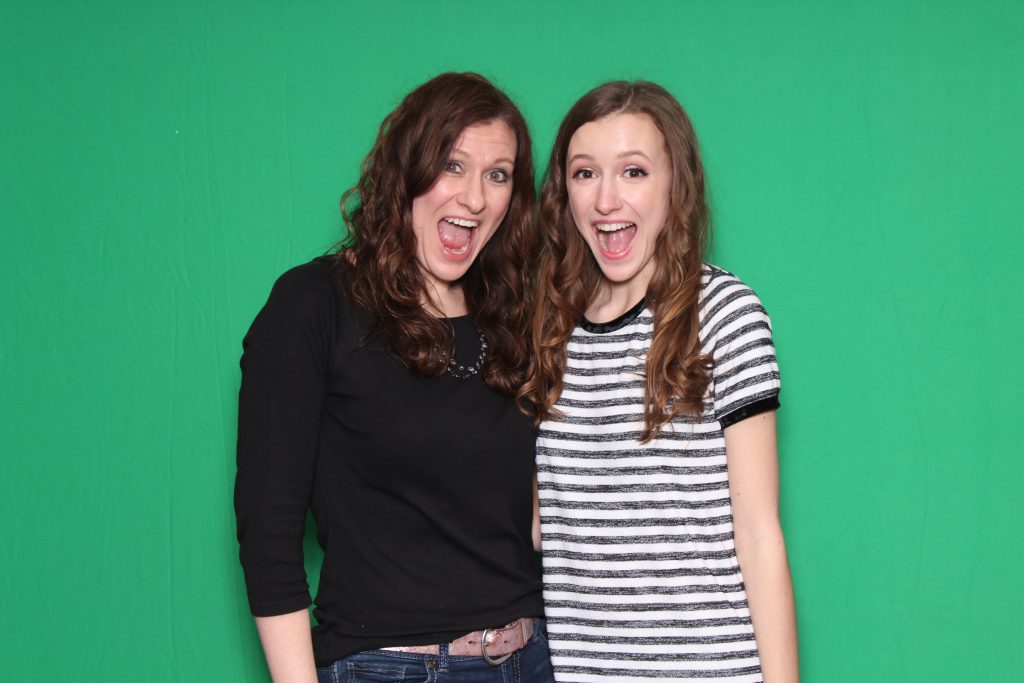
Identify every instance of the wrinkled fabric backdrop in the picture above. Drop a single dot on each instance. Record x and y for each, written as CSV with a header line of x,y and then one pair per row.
x,y
161,164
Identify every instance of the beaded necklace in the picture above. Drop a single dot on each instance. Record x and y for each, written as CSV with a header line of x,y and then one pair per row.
x,y
460,371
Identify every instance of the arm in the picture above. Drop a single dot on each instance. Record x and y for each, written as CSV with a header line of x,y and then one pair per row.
x,y
535,526
279,411
760,547
288,647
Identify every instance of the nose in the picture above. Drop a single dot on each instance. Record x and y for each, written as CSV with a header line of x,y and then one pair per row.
x,y
472,195
607,196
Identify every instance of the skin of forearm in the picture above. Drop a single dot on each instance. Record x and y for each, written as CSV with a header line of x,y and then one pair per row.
x,y
288,646
760,547
769,588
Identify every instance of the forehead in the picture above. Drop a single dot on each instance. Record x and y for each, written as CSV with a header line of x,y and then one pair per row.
x,y
616,134
491,139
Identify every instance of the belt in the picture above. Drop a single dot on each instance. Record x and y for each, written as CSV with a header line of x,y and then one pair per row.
x,y
495,645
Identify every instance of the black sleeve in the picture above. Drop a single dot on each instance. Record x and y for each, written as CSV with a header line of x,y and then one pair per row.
x,y
284,368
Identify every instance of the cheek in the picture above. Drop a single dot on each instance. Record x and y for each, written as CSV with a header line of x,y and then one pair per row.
x,y
652,206
423,209
500,202
577,205
660,201
418,220
440,193
584,233
417,212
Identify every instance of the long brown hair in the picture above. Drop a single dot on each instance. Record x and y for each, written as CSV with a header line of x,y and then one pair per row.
x,y
677,373
378,258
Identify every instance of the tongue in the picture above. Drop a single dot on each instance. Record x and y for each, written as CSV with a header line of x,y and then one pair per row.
x,y
453,236
618,241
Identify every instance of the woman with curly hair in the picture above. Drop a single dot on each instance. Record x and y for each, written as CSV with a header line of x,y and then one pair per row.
x,y
656,386
378,390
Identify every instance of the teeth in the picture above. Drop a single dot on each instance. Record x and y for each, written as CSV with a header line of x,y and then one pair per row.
x,y
462,222
612,227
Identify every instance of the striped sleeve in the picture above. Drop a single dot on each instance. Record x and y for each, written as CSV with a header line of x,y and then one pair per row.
x,y
745,379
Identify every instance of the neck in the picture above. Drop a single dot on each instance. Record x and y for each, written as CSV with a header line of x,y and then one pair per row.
x,y
445,300
613,299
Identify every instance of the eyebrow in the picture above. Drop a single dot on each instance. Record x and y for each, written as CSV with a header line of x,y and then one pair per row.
x,y
633,152
620,155
502,160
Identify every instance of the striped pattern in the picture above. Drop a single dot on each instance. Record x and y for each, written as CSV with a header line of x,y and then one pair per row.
x,y
640,574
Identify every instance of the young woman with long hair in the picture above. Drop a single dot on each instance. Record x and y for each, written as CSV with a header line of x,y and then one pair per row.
x,y
655,383
378,390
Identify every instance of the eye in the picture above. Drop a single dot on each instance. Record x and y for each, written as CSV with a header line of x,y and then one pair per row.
x,y
583,174
453,166
634,172
498,175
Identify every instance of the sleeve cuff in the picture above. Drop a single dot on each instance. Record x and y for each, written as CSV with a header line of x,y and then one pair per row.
x,y
762,405
274,609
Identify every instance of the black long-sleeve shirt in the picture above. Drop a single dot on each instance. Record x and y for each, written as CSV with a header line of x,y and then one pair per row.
x,y
420,487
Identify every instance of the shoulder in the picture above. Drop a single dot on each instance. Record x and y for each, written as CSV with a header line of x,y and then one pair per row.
x,y
717,283
310,285
306,294
318,277
727,303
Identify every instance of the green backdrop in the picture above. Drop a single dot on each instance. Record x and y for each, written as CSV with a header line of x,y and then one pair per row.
x,y
161,164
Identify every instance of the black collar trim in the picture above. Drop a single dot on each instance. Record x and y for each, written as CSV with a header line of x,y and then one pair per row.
x,y
617,324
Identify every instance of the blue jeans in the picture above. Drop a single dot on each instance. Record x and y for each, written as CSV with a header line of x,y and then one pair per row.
x,y
532,664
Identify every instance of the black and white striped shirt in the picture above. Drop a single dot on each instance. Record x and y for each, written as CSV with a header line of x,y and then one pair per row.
x,y
641,580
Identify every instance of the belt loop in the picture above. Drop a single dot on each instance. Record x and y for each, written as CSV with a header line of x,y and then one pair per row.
x,y
442,658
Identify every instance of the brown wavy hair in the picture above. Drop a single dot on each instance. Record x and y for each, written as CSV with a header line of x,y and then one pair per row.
x,y
377,259
677,373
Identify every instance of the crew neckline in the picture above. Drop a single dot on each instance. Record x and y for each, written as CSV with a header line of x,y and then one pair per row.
x,y
616,324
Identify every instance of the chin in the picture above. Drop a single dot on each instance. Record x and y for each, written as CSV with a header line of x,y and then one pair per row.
x,y
450,272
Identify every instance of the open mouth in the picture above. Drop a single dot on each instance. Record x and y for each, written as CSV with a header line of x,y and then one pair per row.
x,y
456,234
615,238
